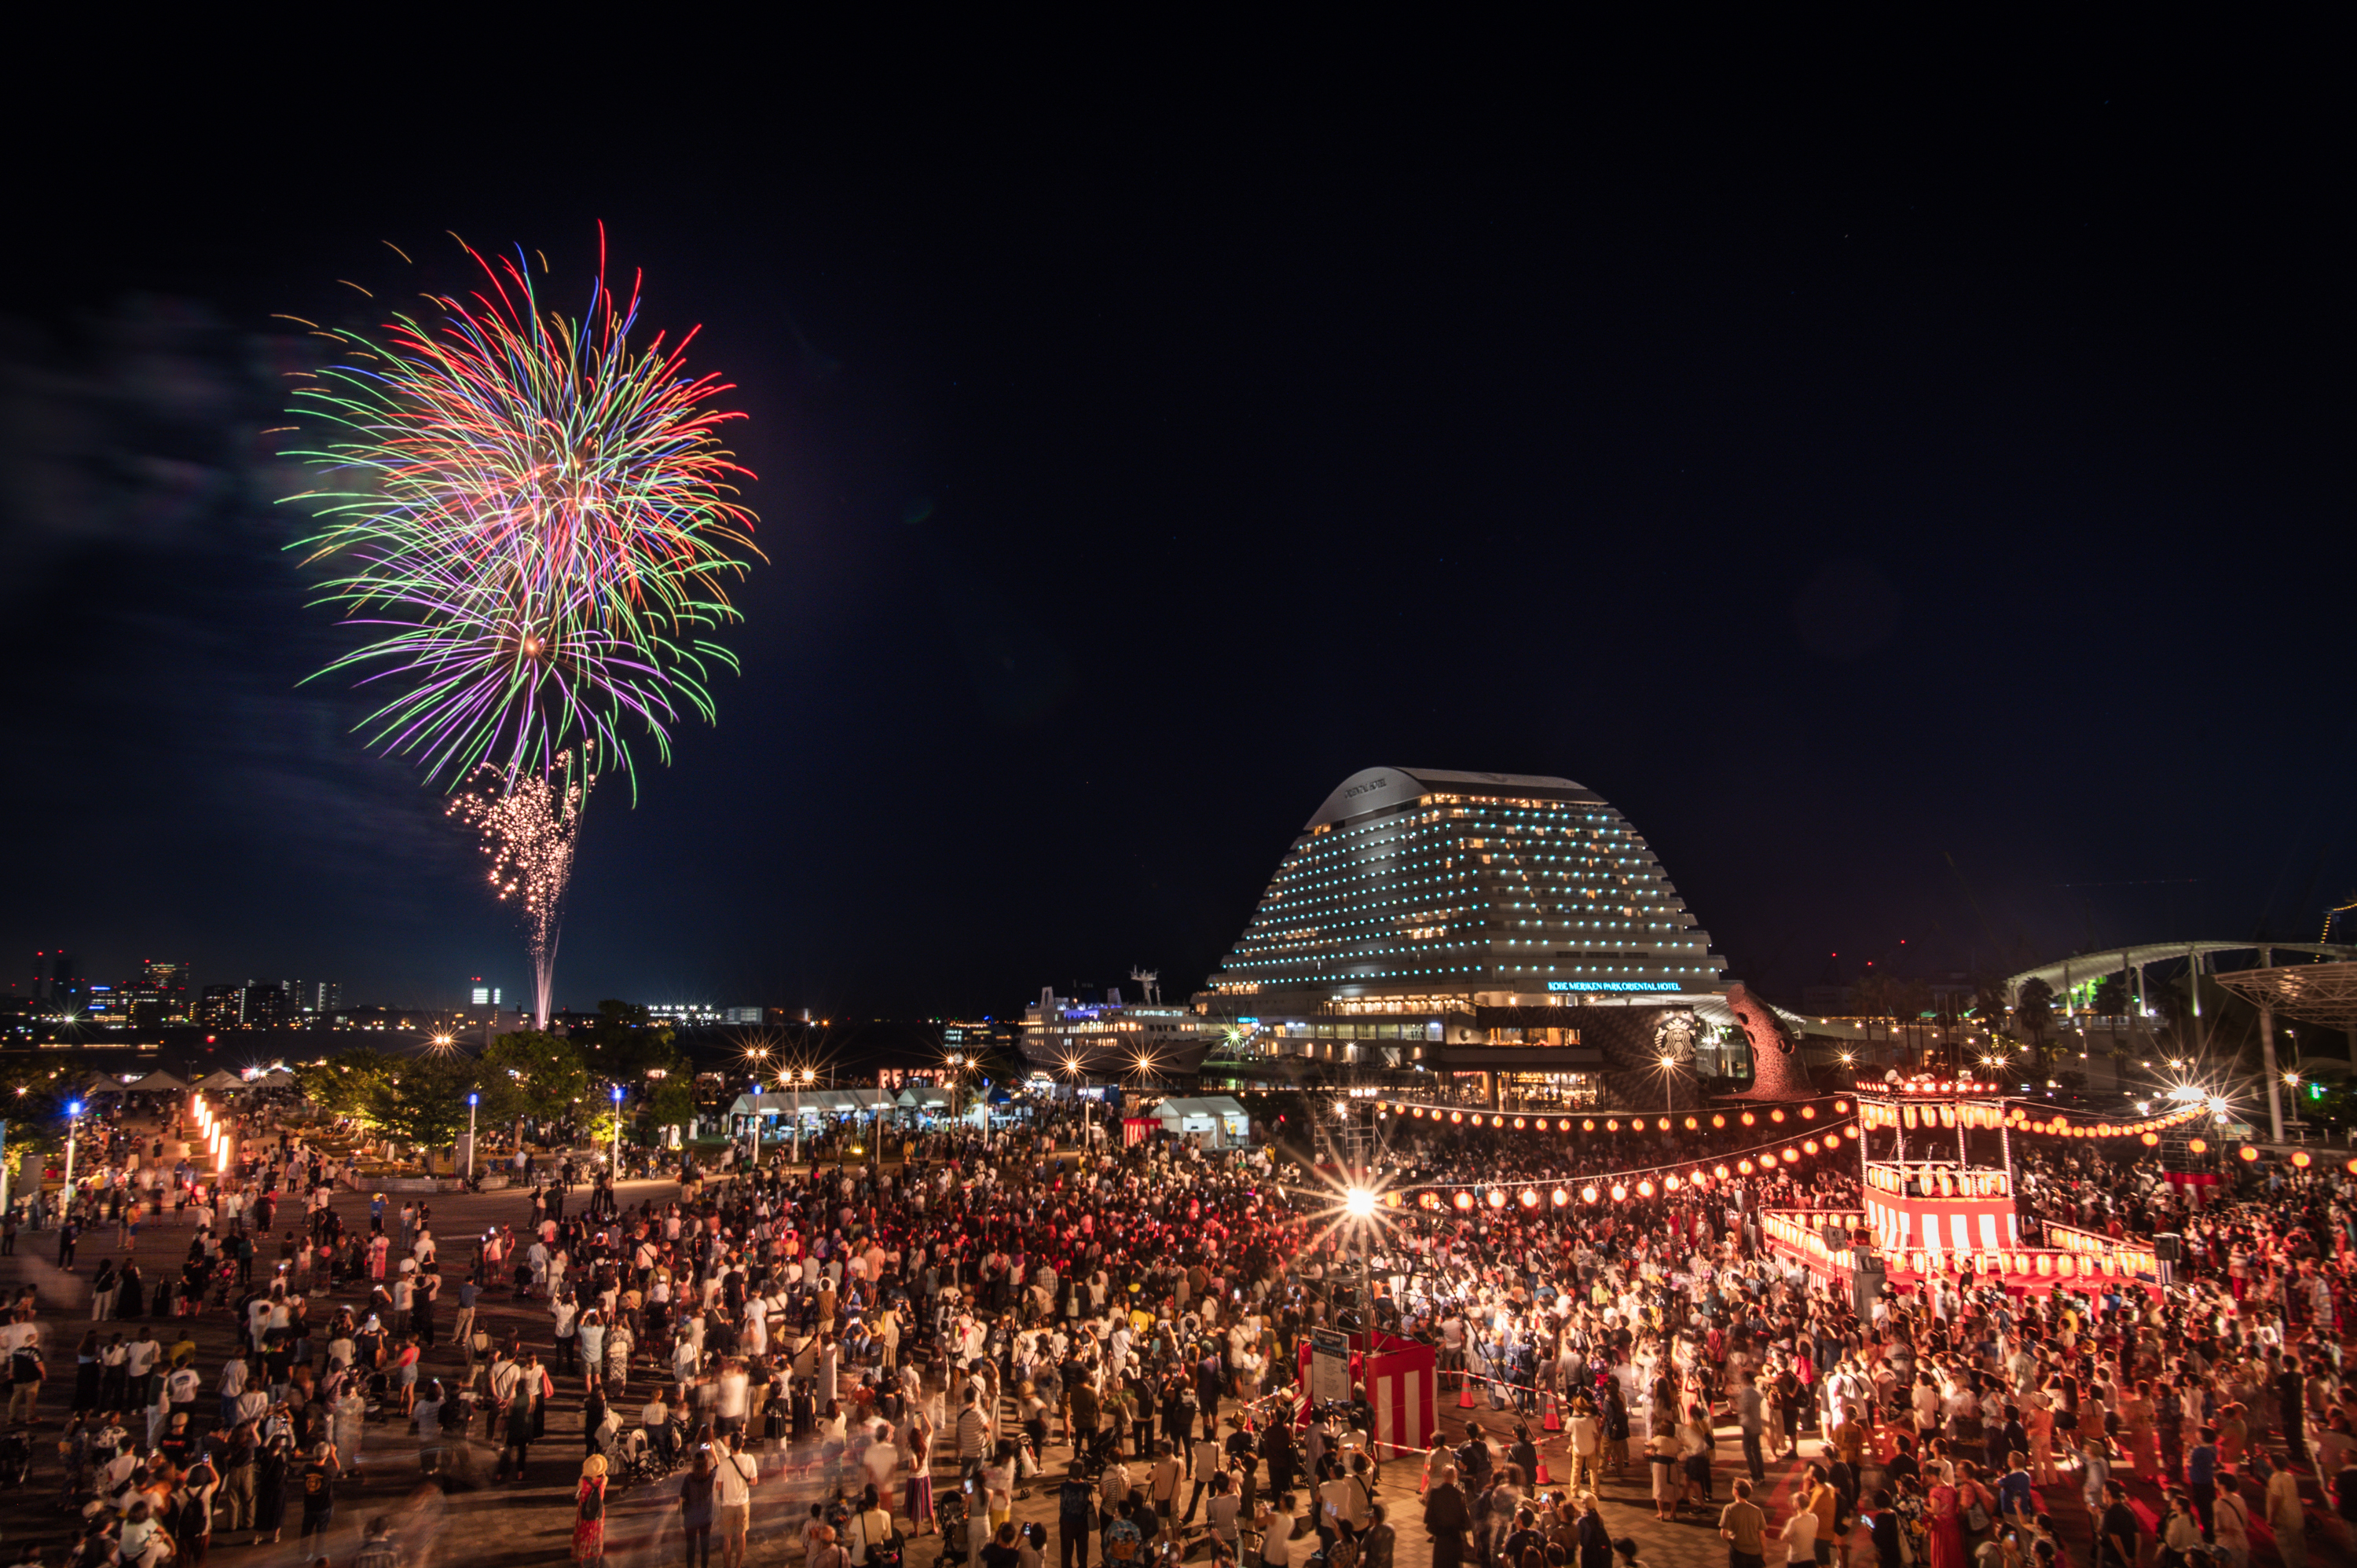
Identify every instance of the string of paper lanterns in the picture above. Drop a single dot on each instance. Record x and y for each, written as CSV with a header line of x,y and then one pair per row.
x,y
2146,1129
1614,1121
1643,1181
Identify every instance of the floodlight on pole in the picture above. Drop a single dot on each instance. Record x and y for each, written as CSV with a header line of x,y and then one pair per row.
x,y
618,1132
473,1100
73,1124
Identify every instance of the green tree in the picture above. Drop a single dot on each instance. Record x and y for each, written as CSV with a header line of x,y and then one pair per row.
x,y
33,1100
530,1073
421,1100
348,1083
627,1045
673,1103
2112,996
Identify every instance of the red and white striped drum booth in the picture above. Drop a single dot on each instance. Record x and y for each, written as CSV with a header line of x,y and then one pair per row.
x,y
1955,1221
1402,1384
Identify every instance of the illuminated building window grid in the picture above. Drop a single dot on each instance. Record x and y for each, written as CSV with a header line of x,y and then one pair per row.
x,y
1392,888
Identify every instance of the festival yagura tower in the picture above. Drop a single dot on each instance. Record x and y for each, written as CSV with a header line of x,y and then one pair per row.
x,y
1938,1208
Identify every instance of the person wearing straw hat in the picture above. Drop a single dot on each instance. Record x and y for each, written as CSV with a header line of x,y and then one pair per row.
x,y
589,1511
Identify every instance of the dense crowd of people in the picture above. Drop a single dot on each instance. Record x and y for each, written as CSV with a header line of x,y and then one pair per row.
x,y
1129,1325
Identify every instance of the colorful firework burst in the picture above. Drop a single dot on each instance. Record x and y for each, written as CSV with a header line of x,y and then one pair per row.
x,y
530,826
537,518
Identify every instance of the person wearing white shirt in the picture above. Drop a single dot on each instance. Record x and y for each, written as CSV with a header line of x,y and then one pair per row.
x,y
733,1474
732,1394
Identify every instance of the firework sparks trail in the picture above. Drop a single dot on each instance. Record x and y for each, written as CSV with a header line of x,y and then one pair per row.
x,y
535,521
530,827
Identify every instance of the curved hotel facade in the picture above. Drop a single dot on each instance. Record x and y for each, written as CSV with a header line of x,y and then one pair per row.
x,y
1514,935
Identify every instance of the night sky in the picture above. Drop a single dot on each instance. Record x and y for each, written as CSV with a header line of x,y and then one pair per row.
x,y
1846,477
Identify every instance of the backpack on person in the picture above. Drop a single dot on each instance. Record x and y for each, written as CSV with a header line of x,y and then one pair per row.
x,y
886,1552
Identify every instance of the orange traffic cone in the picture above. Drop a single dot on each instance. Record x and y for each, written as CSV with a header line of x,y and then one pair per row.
x,y
1553,1422
1542,1475
1464,1394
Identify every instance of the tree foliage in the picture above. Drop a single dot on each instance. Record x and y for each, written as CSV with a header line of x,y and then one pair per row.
x,y
531,1073
413,1100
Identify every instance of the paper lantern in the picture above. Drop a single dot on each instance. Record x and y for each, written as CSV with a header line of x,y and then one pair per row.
x,y
1718,1121
1588,1126
1775,1116
1670,1183
1464,1200
1587,1194
1749,1120
1619,1193
1791,1153
1530,1197
1833,1140
1808,1112
1744,1166
1518,1124
1561,1197
2151,1140
1497,1198
1564,1125
1665,1124
2247,1153
1841,1107
1809,1146
1721,1172
1693,1125
1613,1125
1645,1189
2197,1145
2299,1159
1456,1116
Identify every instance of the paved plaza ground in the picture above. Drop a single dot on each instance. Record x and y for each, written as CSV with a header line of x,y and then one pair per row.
x,y
473,1521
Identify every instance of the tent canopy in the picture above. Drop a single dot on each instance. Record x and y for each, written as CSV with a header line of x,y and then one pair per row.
x,y
1219,1114
158,1082
924,1097
221,1079
815,1103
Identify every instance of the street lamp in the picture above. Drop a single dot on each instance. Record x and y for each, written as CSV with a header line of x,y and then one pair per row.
x,y
618,1132
798,1077
473,1100
73,1124
1669,1065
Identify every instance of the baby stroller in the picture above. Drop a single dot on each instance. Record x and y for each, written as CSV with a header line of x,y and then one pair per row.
x,y
635,1459
950,1518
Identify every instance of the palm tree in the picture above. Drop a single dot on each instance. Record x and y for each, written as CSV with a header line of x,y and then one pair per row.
x,y
2033,1015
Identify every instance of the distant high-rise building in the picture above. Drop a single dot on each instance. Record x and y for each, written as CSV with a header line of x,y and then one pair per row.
x,y
163,994
221,1007
316,998
270,1005
740,1015
485,996
57,978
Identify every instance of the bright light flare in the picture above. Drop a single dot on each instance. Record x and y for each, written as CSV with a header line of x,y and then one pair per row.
x,y
1359,1203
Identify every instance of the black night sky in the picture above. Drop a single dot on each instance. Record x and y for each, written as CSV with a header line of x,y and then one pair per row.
x,y
1844,477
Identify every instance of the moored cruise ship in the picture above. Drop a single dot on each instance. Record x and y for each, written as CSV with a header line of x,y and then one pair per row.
x,y
1112,1038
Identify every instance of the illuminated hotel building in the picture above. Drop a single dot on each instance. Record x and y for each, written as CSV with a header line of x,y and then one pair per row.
x,y
1514,936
